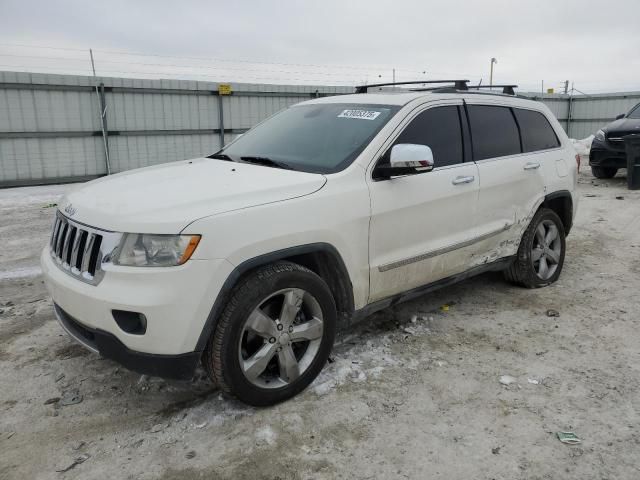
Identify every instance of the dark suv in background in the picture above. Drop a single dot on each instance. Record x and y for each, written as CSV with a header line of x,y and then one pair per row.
x,y
607,150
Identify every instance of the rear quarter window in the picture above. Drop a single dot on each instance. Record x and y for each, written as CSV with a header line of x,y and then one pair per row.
x,y
537,133
494,132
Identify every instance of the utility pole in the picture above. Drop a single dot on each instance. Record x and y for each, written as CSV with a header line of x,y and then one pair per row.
x,y
102,111
566,86
93,65
493,60
394,77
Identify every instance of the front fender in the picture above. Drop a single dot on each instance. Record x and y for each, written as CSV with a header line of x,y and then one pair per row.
x,y
265,259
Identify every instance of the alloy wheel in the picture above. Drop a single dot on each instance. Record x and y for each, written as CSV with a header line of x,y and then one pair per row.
x,y
281,338
546,249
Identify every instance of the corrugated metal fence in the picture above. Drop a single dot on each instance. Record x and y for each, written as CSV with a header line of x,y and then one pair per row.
x,y
50,127
583,115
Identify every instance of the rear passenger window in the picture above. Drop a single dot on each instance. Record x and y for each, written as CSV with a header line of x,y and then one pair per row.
x,y
494,132
537,133
439,129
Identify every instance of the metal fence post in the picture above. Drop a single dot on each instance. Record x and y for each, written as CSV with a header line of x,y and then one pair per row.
x,y
569,113
105,129
102,106
221,120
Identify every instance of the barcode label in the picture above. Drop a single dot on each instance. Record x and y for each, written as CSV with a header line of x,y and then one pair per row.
x,y
359,114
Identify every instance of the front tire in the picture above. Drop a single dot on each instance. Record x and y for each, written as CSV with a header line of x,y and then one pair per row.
x,y
274,336
541,252
604,172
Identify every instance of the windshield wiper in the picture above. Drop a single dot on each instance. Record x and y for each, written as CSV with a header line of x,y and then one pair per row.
x,y
268,162
221,156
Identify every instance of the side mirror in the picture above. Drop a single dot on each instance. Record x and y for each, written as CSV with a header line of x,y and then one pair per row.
x,y
410,155
620,116
405,159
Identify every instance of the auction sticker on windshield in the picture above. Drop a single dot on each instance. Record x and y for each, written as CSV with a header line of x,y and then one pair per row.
x,y
359,114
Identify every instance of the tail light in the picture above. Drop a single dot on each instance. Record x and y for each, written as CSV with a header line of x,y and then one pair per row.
x,y
578,162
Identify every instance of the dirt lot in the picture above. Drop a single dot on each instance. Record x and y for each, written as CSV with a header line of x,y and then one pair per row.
x,y
401,399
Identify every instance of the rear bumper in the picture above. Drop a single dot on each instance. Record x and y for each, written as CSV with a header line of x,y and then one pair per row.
x,y
178,367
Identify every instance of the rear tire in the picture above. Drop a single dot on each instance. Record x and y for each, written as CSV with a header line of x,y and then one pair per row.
x,y
274,335
541,252
604,172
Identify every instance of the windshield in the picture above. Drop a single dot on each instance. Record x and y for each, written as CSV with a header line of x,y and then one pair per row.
x,y
635,113
318,138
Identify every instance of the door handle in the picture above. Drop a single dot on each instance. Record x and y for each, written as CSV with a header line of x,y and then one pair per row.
x,y
531,165
463,180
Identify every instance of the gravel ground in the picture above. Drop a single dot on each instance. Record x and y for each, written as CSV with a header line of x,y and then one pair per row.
x,y
412,392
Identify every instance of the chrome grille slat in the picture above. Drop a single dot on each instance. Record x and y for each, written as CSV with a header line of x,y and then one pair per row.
x,y
61,235
96,257
74,251
70,242
79,250
65,246
86,256
56,226
56,233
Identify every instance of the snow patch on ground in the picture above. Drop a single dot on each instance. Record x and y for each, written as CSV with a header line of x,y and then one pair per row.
x,y
216,412
335,374
362,363
266,435
26,272
22,196
367,357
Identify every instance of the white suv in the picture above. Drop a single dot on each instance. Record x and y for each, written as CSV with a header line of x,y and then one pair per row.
x,y
248,260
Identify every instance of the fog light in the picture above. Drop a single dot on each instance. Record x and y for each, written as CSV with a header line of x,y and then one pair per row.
x,y
131,322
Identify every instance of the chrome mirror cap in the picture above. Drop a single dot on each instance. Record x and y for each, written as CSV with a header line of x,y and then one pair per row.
x,y
409,155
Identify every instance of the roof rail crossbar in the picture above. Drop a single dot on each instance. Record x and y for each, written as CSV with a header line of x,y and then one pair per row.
x,y
458,84
442,89
506,89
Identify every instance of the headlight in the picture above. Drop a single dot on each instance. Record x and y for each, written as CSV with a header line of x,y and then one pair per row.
x,y
146,250
600,135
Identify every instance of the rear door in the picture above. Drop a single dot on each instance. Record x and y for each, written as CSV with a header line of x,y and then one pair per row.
x,y
511,182
543,147
420,223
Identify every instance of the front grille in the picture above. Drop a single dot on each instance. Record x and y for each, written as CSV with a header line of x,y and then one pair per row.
x,y
79,249
617,138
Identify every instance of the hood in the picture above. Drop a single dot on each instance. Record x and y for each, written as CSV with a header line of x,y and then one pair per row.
x,y
624,126
166,198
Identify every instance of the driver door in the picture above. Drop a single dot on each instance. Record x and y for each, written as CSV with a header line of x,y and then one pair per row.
x,y
422,223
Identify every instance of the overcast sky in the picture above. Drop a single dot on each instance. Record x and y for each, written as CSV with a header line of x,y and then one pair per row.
x,y
331,42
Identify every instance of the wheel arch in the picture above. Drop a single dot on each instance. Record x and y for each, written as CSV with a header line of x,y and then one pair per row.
x,y
321,258
561,202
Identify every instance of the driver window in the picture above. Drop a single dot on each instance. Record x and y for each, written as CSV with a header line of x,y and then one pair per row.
x,y
439,129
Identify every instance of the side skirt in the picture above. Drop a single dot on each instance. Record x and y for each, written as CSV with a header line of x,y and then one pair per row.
x,y
498,265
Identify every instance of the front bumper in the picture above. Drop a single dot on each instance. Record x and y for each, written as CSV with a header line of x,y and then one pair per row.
x,y
178,367
604,154
176,302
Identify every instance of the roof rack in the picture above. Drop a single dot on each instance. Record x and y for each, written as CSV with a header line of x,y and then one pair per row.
x,y
457,84
506,89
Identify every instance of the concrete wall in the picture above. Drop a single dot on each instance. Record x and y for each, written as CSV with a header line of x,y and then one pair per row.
x,y
50,129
